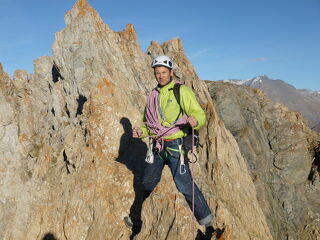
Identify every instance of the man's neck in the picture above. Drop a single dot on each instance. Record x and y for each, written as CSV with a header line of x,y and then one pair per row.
x,y
161,86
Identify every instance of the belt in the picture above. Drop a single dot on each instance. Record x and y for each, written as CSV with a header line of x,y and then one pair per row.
x,y
169,140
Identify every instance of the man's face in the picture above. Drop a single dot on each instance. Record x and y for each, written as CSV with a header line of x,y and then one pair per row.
x,y
162,75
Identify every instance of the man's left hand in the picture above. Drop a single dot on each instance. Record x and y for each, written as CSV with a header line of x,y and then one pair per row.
x,y
192,121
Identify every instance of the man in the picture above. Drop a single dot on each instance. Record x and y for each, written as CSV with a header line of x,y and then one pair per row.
x,y
166,124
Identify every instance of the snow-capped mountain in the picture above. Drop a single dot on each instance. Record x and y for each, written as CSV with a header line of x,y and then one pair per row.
x,y
304,101
253,82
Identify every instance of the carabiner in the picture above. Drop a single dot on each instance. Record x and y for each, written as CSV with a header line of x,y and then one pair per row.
x,y
192,156
183,169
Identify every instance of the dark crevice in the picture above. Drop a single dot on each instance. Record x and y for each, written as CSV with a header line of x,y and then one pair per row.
x,y
81,101
67,110
315,169
49,236
86,136
269,143
56,76
53,112
65,159
53,128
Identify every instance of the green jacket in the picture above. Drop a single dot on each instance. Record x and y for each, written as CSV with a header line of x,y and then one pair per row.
x,y
170,108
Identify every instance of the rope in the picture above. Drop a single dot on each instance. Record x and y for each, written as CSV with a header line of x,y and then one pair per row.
x,y
154,124
193,225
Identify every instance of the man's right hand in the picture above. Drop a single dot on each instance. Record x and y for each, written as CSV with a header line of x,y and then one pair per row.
x,y
136,132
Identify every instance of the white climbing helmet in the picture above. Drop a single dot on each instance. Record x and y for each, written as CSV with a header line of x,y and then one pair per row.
x,y
162,61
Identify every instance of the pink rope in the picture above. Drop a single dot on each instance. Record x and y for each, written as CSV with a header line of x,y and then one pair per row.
x,y
193,225
154,123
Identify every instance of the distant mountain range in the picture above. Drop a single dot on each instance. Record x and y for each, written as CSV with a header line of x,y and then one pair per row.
x,y
304,101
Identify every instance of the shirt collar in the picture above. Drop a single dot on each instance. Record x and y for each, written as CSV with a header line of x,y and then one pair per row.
x,y
166,87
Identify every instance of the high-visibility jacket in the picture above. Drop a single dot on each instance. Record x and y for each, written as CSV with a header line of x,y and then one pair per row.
x,y
170,109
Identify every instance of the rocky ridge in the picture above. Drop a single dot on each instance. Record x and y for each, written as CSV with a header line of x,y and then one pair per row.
x,y
304,101
69,168
282,154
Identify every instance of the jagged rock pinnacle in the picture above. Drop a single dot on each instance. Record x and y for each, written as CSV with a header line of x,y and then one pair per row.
x,y
129,32
83,15
4,77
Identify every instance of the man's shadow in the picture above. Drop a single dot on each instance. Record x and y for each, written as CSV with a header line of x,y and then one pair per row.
x,y
132,153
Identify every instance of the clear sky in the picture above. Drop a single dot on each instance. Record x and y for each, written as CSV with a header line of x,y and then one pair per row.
x,y
224,39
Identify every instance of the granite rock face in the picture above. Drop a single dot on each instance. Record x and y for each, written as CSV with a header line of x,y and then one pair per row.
x,y
282,154
69,167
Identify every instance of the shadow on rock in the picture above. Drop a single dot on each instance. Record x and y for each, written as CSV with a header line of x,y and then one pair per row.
x,y
49,236
132,153
202,236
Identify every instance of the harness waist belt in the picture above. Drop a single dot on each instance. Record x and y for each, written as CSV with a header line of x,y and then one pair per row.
x,y
168,140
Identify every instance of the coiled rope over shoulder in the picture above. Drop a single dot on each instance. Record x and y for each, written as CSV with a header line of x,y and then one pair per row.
x,y
154,124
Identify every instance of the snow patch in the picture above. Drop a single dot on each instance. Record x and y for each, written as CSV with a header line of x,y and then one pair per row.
x,y
247,82
238,82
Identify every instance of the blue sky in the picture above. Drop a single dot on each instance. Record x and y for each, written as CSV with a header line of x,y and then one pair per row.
x,y
223,39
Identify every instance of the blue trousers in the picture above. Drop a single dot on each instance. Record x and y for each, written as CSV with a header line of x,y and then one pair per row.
x,y
152,174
